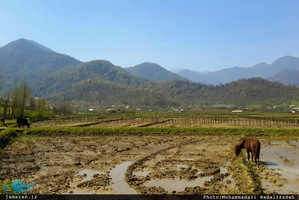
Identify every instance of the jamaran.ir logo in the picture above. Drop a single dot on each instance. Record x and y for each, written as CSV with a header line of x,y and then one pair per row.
x,y
18,188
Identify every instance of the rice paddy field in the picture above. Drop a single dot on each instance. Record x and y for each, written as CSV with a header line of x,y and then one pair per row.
x,y
151,156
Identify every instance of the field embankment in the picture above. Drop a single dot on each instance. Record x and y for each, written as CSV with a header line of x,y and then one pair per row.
x,y
57,131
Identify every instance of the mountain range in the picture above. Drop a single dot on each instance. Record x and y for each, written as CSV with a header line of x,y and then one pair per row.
x,y
154,72
57,76
278,71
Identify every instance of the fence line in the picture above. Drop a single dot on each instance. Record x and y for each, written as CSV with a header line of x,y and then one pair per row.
x,y
210,120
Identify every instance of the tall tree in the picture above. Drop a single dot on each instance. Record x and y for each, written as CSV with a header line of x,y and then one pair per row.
x,y
21,95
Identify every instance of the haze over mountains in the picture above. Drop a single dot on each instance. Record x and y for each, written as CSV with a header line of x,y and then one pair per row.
x,y
57,76
263,70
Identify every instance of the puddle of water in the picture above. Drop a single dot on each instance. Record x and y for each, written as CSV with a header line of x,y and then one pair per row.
x,y
118,175
143,173
177,184
296,143
284,160
223,170
278,142
89,174
188,159
181,166
271,164
276,155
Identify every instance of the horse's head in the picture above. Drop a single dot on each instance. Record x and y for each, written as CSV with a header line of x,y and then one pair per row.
x,y
237,150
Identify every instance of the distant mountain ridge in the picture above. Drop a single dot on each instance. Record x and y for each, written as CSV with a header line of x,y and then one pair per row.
x,y
262,70
287,76
58,76
154,72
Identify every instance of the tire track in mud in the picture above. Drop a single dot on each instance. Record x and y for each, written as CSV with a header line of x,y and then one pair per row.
x,y
134,182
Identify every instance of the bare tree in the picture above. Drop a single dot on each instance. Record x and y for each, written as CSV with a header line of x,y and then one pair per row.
x,y
21,95
6,104
64,108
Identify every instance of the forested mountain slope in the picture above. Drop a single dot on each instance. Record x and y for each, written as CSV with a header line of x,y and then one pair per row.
x,y
25,59
98,69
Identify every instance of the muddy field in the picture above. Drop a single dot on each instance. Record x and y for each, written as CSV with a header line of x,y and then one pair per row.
x,y
150,165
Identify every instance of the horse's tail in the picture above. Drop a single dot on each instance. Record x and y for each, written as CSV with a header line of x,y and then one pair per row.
x,y
258,149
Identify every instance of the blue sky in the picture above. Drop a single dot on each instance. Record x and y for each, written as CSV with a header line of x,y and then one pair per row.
x,y
195,34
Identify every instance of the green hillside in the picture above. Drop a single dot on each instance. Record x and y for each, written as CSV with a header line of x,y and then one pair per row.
x,y
242,92
24,59
102,92
99,69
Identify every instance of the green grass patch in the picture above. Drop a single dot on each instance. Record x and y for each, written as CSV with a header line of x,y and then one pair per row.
x,y
3,184
57,131
245,172
257,186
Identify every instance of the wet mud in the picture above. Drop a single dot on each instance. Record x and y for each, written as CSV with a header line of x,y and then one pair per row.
x,y
278,170
150,165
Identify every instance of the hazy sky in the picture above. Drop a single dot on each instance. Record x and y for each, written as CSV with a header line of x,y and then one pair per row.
x,y
199,35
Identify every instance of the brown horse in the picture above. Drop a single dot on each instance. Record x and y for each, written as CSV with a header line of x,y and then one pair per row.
x,y
251,145
2,121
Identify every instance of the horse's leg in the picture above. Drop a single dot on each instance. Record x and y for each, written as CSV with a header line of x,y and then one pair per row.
x,y
252,155
255,157
248,155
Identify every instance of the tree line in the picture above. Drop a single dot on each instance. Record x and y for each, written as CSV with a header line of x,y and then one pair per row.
x,y
18,103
